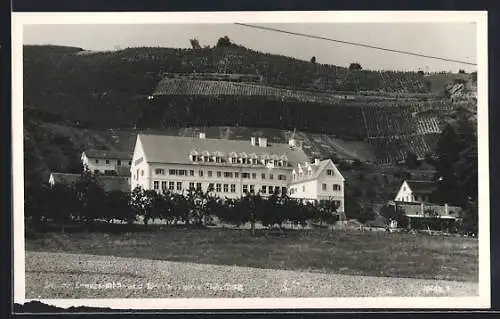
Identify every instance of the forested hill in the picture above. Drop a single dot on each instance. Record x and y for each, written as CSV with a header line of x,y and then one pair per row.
x,y
91,88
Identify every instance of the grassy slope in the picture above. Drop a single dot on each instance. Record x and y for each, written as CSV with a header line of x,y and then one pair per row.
x,y
352,253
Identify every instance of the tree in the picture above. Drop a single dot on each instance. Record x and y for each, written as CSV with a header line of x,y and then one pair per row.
x,y
91,197
470,218
412,161
355,66
420,72
461,71
117,206
223,42
394,212
313,60
195,44
352,207
63,204
448,153
366,214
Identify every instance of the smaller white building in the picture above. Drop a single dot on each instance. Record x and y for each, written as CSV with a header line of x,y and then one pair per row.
x,y
317,182
412,191
107,162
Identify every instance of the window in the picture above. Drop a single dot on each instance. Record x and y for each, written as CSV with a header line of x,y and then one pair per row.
x,y
263,189
97,161
181,172
404,188
219,174
163,185
210,187
200,173
171,186
209,173
191,185
172,172
228,174
129,163
245,175
137,175
218,187
236,175
254,175
142,172
283,190
159,171
226,188
191,173
107,161
282,177
270,189
292,190
156,185
336,203
252,189
263,175
276,189
329,172
179,186
271,176
323,187
198,186
119,162
233,188
303,188
336,187
245,188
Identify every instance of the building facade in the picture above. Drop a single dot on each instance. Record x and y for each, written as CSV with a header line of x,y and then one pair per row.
x,y
229,168
412,191
107,162
318,181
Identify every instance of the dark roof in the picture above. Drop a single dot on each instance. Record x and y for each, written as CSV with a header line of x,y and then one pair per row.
x,y
107,154
415,209
421,187
108,183
65,178
114,183
176,149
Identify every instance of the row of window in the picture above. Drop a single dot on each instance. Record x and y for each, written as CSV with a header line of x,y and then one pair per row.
x,y
335,187
234,160
118,162
295,176
184,172
218,187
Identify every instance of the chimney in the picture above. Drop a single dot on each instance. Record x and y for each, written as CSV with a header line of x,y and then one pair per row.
x,y
316,161
262,142
202,135
252,140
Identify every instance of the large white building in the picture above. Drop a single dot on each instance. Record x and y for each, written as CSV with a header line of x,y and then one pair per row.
x,y
232,168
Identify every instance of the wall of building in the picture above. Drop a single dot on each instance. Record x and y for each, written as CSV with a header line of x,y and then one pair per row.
x,y
102,164
228,180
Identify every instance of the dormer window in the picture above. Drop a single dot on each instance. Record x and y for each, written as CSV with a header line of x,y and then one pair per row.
x,y
193,155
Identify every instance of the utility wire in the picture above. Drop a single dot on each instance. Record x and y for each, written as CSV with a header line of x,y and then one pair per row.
x,y
354,43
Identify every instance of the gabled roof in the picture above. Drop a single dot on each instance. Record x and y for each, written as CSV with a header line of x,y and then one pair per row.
x,y
107,154
174,149
421,187
108,183
316,170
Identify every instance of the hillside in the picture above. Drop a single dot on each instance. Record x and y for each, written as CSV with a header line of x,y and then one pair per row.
x,y
73,98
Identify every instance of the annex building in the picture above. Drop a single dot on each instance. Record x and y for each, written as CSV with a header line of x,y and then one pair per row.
x,y
233,168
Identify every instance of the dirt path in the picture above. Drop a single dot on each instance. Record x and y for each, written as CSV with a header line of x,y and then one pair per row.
x,y
63,275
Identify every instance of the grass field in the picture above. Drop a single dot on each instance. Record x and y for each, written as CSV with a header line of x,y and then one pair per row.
x,y
320,250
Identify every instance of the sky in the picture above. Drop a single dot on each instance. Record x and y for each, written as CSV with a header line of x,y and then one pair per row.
x,y
455,41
